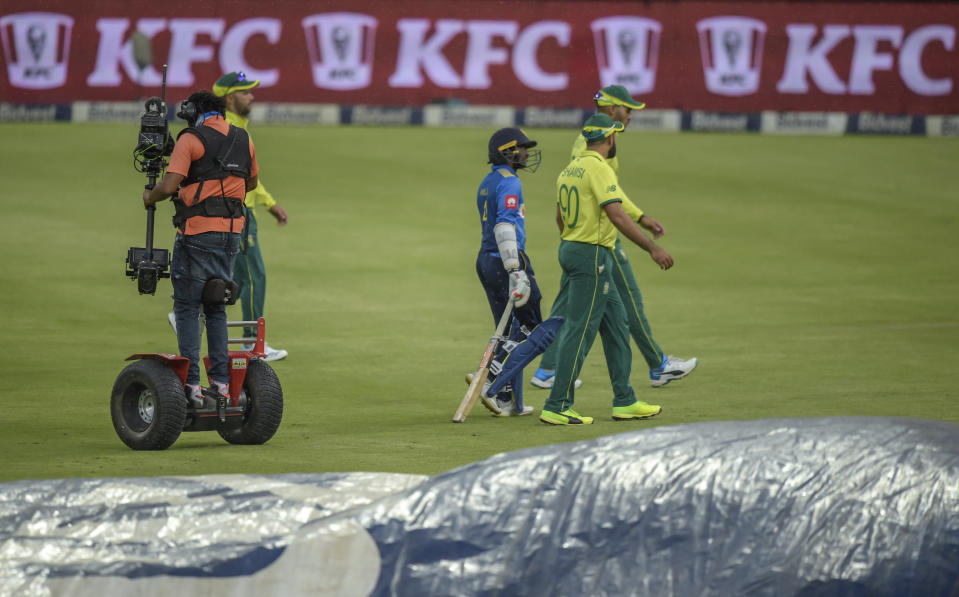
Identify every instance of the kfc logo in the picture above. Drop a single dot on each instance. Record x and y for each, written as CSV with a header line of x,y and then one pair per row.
x,y
421,53
36,46
626,52
341,49
511,201
192,41
808,58
732,52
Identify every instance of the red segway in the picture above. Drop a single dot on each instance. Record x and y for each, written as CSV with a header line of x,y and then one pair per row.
x,y
150,408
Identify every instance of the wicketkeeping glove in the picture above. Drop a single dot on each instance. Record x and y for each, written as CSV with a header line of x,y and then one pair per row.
x,y
519,288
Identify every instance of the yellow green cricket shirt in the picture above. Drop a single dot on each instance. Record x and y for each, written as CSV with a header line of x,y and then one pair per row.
x,y
583,188
259,194
631,209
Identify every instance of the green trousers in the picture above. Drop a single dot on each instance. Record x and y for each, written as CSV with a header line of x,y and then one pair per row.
x,y
633,302
249,273
593,306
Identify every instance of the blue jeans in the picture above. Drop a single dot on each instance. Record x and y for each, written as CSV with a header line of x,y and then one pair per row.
x,y
196,259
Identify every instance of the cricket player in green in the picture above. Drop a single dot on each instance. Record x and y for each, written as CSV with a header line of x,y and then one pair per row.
x,y
249,271
589,212
616,102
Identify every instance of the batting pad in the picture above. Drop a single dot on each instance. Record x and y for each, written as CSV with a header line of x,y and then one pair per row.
x,y
524,352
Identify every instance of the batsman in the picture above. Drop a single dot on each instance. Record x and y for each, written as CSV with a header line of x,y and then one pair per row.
x,y
506,272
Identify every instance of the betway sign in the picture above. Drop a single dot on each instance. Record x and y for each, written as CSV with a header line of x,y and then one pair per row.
x,y
711,56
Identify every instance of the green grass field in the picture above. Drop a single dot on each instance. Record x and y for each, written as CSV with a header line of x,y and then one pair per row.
x,y
814,277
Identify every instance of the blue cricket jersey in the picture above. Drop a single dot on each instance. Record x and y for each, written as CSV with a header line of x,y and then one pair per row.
x,y
500,199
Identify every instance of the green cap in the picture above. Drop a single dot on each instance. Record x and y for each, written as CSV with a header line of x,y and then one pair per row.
x,y
230,82
599,126
617,95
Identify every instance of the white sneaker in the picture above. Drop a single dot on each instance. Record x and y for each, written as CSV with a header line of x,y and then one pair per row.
x,y
507,408
543,379
273,354
499,408
222,388
194,395
491,403
672,368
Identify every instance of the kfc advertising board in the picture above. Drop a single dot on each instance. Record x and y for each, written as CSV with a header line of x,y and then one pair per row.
x,y
891,58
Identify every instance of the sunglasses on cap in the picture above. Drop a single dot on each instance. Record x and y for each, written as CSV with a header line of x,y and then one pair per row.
x,y
240,78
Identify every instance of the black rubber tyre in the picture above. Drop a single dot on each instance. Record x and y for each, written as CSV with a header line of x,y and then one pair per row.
x,y
264,409
148,405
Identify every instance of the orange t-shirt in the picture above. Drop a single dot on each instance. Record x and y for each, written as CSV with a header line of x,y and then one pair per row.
x,y
187,150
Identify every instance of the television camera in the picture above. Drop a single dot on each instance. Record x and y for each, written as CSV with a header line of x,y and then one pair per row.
x,y
147,265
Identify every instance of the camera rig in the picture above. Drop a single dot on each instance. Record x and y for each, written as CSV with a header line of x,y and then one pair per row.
x,y
147,265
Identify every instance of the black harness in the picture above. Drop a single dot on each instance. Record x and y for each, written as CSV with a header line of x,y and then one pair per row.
x,y
223,156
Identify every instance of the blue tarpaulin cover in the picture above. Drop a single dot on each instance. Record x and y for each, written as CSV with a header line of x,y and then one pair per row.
x,y
807,507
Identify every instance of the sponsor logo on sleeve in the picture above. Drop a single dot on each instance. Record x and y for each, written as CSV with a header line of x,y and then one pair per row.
x,y
511,201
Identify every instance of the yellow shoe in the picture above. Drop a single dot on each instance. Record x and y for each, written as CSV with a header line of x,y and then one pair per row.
x,y
636,410
567,417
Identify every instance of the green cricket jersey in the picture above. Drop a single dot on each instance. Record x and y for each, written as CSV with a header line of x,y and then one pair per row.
x,y
583,188
631,209
259,194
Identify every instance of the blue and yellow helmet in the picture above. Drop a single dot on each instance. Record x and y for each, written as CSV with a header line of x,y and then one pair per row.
x,y
504,149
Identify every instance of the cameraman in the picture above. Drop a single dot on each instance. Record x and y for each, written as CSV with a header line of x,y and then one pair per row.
x,y
212,167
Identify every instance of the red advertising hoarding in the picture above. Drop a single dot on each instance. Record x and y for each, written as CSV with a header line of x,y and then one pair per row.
x,y
722,56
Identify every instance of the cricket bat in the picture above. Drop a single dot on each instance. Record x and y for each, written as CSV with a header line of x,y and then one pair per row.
x,y
479,378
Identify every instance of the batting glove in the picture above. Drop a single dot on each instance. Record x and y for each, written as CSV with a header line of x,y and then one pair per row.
x,y
519,288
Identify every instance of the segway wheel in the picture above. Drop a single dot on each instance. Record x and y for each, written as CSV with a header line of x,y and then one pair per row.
x,y
148,406
264,408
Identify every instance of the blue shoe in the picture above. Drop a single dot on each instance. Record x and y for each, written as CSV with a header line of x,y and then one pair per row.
x,y
544,379
672,368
